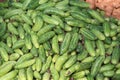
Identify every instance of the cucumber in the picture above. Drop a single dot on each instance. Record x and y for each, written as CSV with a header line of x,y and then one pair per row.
x,y
13,12
101,47
98,34
10,75
106,27
48,35
2,29
87,34
97,65
73,42
89,47
96,15
54,11
55,44
65,44
115,55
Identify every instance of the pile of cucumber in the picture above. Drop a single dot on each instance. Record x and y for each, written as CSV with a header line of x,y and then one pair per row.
x,y
57,40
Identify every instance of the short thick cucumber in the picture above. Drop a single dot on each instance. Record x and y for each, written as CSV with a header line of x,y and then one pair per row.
x,y
96,65
17,4
5,46
28,42
78,67
46,76
115,55
55,44
73,42
12,29
13,12
106,28
96,15
45,5
106,67
87,34
33,4
46,64
61,23
4,54
48,35
14,56
82,55
89,47
26,19
29,73
62,75
38,23
25,64
9,41
42,1
37,75
24,58
21,32
54,11
98,34
34,39
2,29
38,64
99,77
73,68
60,61
45,29
25,4
65,44
42,53
54,72
81,17
76,23
78,75
79,3
10,75
6,67
22,74
70,61
18,44
89,59
49,19
109,73
101,47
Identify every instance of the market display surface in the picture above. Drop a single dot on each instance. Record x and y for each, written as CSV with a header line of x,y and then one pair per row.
x,y
57,40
